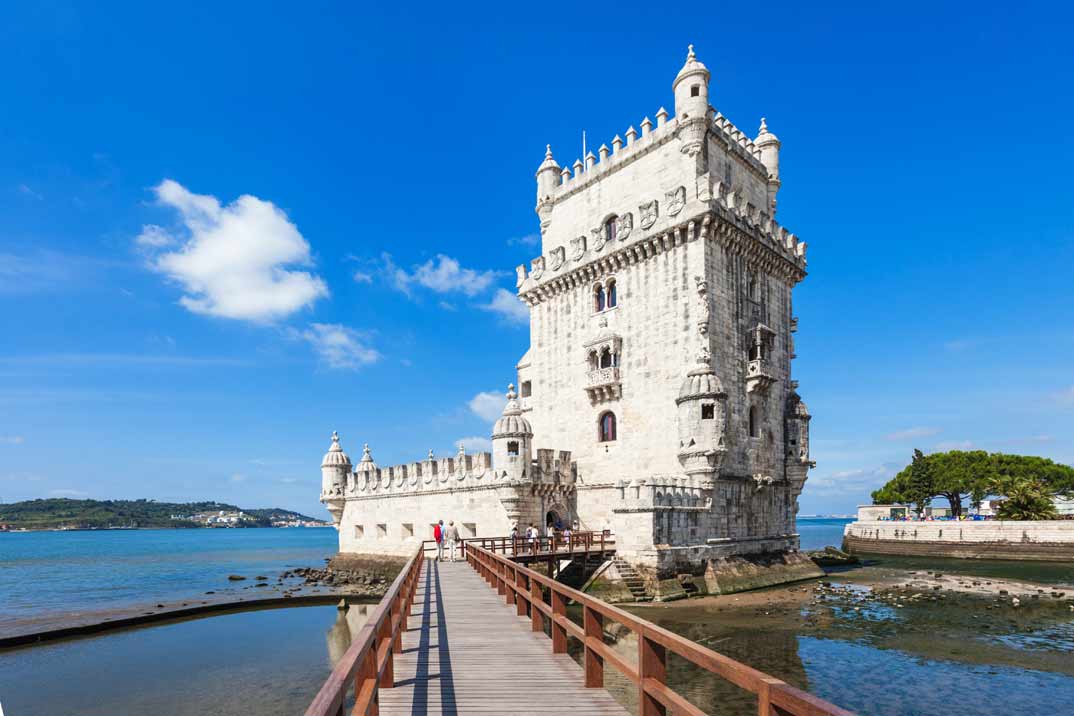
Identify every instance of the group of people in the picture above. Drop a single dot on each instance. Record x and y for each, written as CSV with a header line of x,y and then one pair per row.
x,y
446,535
553,531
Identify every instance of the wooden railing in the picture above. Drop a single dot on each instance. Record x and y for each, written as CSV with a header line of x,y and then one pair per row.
x,y
522,546
525,589
369,661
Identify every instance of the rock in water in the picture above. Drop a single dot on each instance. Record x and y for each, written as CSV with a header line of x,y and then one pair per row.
x,y
236,577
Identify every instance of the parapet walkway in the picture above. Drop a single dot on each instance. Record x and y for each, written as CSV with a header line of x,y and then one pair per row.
x,y
466,652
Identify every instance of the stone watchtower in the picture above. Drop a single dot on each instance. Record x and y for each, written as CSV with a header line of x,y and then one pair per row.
x,y
661,337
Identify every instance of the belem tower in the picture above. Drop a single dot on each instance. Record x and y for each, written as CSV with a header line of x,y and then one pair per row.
x,y
656,397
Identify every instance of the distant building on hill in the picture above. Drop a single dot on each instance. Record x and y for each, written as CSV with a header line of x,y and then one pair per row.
x,y
656,397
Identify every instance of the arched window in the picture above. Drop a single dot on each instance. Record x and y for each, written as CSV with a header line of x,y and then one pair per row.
x,y
755,422
612,298
607,427
609,228
606,360
598,298
594,360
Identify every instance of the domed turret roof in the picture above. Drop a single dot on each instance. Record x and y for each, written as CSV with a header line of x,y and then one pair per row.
x,y
549,162
700,382
692,67
335,457
366,463
511,423
764,136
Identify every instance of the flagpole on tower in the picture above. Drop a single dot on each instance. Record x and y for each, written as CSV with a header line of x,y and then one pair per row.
x,y
583,150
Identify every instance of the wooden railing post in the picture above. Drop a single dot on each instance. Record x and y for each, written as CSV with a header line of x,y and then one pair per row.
x,y
652,666
367,672
593,623
535,612
520,601
384,639
559,633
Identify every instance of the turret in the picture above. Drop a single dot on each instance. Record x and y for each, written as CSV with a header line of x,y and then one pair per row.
x,y
334,470
548,178
769,145
796,431
512,441
691,88
702,420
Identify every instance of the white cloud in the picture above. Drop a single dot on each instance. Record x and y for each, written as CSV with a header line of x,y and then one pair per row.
x,y
442,275
508,306
154,237
912,433
475,444
25,190
238,477
530,240
953,445
362,277
12,440
232,261
68,493
339,346
488,405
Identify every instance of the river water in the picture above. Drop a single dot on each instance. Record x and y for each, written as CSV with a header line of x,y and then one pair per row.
x,y
930,658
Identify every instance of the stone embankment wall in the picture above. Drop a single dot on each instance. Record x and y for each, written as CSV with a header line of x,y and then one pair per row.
x,y
1049,541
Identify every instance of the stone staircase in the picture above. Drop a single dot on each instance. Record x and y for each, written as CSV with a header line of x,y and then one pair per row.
x,y
632,580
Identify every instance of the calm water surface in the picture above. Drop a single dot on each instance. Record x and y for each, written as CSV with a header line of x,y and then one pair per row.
x,y
58,573
928,659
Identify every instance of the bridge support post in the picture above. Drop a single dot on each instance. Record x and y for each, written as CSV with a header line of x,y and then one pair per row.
x,y
593,622
652,665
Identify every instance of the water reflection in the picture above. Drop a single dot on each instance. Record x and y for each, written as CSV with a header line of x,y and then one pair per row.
x,y
348,623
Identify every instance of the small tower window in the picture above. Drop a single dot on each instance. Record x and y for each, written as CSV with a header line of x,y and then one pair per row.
x,y
755,422
695,91
609,228
708,411
612,297
512,447
598,298
607,427
526,389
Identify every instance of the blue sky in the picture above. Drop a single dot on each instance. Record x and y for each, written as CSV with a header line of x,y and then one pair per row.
x,y
366,175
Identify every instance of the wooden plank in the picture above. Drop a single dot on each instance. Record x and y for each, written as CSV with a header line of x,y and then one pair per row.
x,y
467,652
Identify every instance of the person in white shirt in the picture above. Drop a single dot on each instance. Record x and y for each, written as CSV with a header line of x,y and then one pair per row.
x,y
451,536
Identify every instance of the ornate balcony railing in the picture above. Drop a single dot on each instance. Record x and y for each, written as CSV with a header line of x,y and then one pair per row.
x,y
603,384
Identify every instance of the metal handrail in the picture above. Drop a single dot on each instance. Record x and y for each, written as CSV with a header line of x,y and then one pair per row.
x,y
525,588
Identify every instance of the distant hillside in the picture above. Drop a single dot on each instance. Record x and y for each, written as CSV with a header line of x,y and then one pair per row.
x,y
103,514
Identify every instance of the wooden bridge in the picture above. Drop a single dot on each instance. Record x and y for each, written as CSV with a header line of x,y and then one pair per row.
x,y
473,637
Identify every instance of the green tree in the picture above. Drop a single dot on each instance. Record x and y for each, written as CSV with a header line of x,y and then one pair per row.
x,y
1027,499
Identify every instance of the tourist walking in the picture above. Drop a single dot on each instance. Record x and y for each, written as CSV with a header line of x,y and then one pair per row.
x,y
438,535
451,534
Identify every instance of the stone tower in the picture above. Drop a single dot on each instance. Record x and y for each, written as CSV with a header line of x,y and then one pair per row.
x,y
335,467
661,342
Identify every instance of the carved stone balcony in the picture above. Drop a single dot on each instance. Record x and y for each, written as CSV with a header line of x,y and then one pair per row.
x,y
603,384
759,377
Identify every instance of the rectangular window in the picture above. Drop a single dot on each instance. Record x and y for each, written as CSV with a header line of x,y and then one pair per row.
x,y
469,529
408,529
708,411
382,531
359,532
512,447
526,388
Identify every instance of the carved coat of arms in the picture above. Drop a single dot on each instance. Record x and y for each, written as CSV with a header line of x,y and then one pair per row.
x,y
675,200
559,255
598,238
537,268
624,225
648,214
577,248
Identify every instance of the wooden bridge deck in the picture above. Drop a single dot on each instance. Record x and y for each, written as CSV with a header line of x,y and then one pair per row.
x,y
453,659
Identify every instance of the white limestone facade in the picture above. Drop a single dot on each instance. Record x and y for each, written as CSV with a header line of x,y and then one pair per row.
x,y
656,398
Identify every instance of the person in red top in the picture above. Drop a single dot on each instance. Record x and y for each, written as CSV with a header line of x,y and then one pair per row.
x,y
438,535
